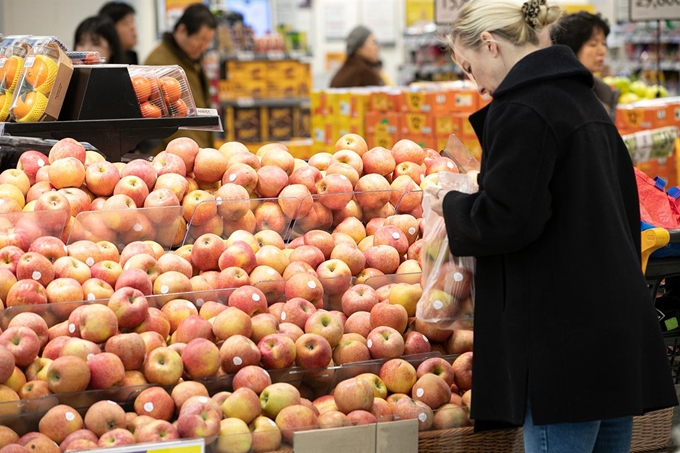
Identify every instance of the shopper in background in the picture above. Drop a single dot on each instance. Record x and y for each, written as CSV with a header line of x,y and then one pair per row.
x,y
184,46
567,341
362,65
123,17
98,33
586,34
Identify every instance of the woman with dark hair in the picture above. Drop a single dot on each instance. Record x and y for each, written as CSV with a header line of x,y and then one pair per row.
x,y
123,16
586,35
98,33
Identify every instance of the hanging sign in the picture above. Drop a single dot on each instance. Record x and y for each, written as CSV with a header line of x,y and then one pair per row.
x,y
419,11
445,10
641,10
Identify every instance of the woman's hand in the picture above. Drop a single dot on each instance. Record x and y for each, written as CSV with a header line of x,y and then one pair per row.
x,y
436,195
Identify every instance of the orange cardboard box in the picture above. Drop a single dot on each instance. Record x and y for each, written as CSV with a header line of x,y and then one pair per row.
x,y
384,101
417,124
283,69
385,140
350,127
283,88
382,123
352,105
464,100
633,119
444,125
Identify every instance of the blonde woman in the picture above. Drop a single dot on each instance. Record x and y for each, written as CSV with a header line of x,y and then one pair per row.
x,y
567,341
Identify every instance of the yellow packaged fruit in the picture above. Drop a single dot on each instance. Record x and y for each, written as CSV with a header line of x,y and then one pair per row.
x,y
10,69
29,106
40,72
5,103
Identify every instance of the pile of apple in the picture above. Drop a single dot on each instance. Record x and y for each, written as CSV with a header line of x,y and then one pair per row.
x,y
285,263
258,415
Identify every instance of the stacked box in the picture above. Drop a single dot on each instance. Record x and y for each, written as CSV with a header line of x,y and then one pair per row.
x,y
244,125
279,123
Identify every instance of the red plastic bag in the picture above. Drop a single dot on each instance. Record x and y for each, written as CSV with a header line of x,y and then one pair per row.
x,y
657,207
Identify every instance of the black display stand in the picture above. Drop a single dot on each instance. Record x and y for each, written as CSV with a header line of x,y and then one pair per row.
x,y
100,107
115,137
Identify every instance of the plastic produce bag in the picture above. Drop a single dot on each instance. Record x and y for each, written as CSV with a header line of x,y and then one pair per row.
x,y
448,280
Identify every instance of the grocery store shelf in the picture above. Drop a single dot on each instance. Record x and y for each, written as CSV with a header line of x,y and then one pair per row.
x,y
272,55
112,137
634,66
266,102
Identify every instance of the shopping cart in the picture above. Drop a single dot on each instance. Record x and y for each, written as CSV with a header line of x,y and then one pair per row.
x,y
662,273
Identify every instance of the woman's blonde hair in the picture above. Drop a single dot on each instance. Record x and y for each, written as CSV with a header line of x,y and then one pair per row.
x,y
514,20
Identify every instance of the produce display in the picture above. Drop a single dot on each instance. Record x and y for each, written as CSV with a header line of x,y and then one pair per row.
x,y
635,90
234,296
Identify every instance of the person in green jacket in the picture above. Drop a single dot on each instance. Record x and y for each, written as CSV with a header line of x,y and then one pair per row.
x,y
184,46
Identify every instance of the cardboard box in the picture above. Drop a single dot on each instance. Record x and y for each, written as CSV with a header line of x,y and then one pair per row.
x,y
304,123
417,124
385,140
352,105
631,118
55,97
350,127
283,88
284,69
382,123
357,439
246,70
445,125
397,437
278,123
247,89
385,101
244,124
464,100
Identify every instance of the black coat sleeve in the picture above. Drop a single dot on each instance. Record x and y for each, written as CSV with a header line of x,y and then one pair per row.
x,y
514,201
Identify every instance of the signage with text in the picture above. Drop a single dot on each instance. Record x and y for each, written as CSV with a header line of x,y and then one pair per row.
x,y
641,10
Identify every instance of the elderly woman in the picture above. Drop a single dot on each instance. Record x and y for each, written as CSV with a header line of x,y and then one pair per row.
x,y
586,35
362,66
567,342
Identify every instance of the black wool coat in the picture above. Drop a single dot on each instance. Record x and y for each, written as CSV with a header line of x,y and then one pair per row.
x,y
563,316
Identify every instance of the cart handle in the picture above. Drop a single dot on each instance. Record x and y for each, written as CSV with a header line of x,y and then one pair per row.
x,y
652,240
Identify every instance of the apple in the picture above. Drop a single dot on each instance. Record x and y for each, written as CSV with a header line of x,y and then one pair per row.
x,y
78,347
59,422
186,148
278,157
243,404
335,275
270,216
106,370
35,441
233,201
95,289
460,341
343,169
407,409
349,351
201,358
270,181
450,416
277,351
398,375
378,386
161,206
68,374
174,182
416,343
242,175
232,321
33,321
312,351
165,162
277,396
116,437
248,299
155,402
462,371
385,343
253,377
30,162
66,172
307,176
7,364
103,416
9,436
155,321
234,437
199,207
169,283
407,151
156,431
297,310
22,342
240,254
163,366
295,418
359,298
199,418
431,390
66,147
353,394
129,347
266,435
334,191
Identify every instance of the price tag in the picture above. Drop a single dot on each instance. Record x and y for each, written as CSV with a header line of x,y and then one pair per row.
x,y
206,112
245,55
275,55
654,10
245,102
183,446
445,11
2,129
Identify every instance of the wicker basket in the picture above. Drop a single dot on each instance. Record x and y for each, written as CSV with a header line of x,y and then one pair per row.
x,y
650,432
466,440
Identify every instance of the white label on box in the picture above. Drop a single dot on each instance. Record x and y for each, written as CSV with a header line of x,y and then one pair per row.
x,y
29,61
275,55
464,100
245,102
206,112
245,55
345,108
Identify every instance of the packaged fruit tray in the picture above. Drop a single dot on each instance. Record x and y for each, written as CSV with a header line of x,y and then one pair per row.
x,y
162,91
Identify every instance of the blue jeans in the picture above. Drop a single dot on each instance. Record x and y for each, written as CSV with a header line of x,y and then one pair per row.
x,y
601,436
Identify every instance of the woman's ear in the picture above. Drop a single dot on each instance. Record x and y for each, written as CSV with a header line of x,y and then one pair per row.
x,y
489,43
